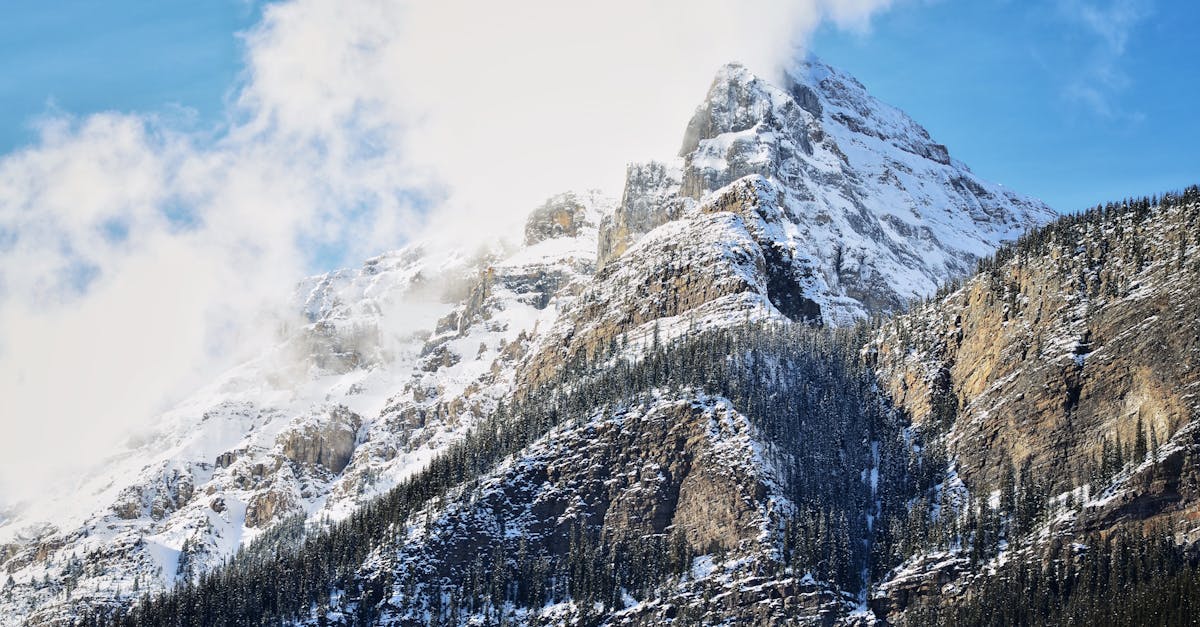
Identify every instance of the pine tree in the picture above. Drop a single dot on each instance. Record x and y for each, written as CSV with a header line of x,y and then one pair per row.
x,y
1139,446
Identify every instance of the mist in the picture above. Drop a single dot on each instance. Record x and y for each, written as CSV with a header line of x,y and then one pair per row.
x,y
138,253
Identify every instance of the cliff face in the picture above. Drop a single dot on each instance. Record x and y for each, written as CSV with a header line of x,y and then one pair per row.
x,y
1046,355
630,495
686,464
1072,364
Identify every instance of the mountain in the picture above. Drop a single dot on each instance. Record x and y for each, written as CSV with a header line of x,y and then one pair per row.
x,y
1060,383
384,366
671,384
1019,450
862,209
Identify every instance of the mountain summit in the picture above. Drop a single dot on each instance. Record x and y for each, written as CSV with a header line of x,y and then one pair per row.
x,y
866,211
799,207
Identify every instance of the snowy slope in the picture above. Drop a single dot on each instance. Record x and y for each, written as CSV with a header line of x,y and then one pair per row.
x,y
390,363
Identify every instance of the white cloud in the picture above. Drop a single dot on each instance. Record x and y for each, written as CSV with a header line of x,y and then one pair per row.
x,y
1111,22
133,253
1100,78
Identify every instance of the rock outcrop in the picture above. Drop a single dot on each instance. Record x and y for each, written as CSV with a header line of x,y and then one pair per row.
x,y
1048,355
328,442
1070,366
683,467
565,215
650,199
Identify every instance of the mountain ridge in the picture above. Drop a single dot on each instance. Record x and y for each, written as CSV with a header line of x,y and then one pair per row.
x,y
795,204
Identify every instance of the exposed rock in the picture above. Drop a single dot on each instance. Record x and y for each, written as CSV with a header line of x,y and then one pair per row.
x,y
706,265
1051,358
1044,369
328,442
565,215
678,466
651,198
267,507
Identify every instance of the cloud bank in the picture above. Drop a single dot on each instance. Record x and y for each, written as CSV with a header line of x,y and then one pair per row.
x,y
136,251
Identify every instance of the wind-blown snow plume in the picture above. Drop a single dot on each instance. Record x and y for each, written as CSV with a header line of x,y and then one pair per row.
x,y
137,252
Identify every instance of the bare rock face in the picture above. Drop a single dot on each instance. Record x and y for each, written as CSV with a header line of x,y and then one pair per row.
x,y
328,442
681,466
723,260
173,490
1046,358
267,507
565,215
791,284
1071,363
649,200
702,267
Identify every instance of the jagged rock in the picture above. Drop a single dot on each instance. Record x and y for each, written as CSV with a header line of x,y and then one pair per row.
x,y
681,465
1044,370
565,215
1057,351
129,504
874,212
705,266
649,200
920,580
327,442
267,507
755,201
439,357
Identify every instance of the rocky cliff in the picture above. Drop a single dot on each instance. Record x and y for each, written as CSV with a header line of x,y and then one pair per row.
x,y
1062,382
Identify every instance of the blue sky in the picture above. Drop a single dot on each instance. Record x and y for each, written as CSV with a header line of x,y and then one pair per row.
x,y
83,56
1075,102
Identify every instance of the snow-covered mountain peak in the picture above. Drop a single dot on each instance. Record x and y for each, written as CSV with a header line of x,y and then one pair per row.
x,y
805,200
876,212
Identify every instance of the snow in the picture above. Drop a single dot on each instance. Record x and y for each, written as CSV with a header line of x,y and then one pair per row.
x,y
933,217
702,567
377,311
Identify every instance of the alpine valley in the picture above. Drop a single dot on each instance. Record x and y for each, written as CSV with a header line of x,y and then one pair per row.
x,y
811,371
